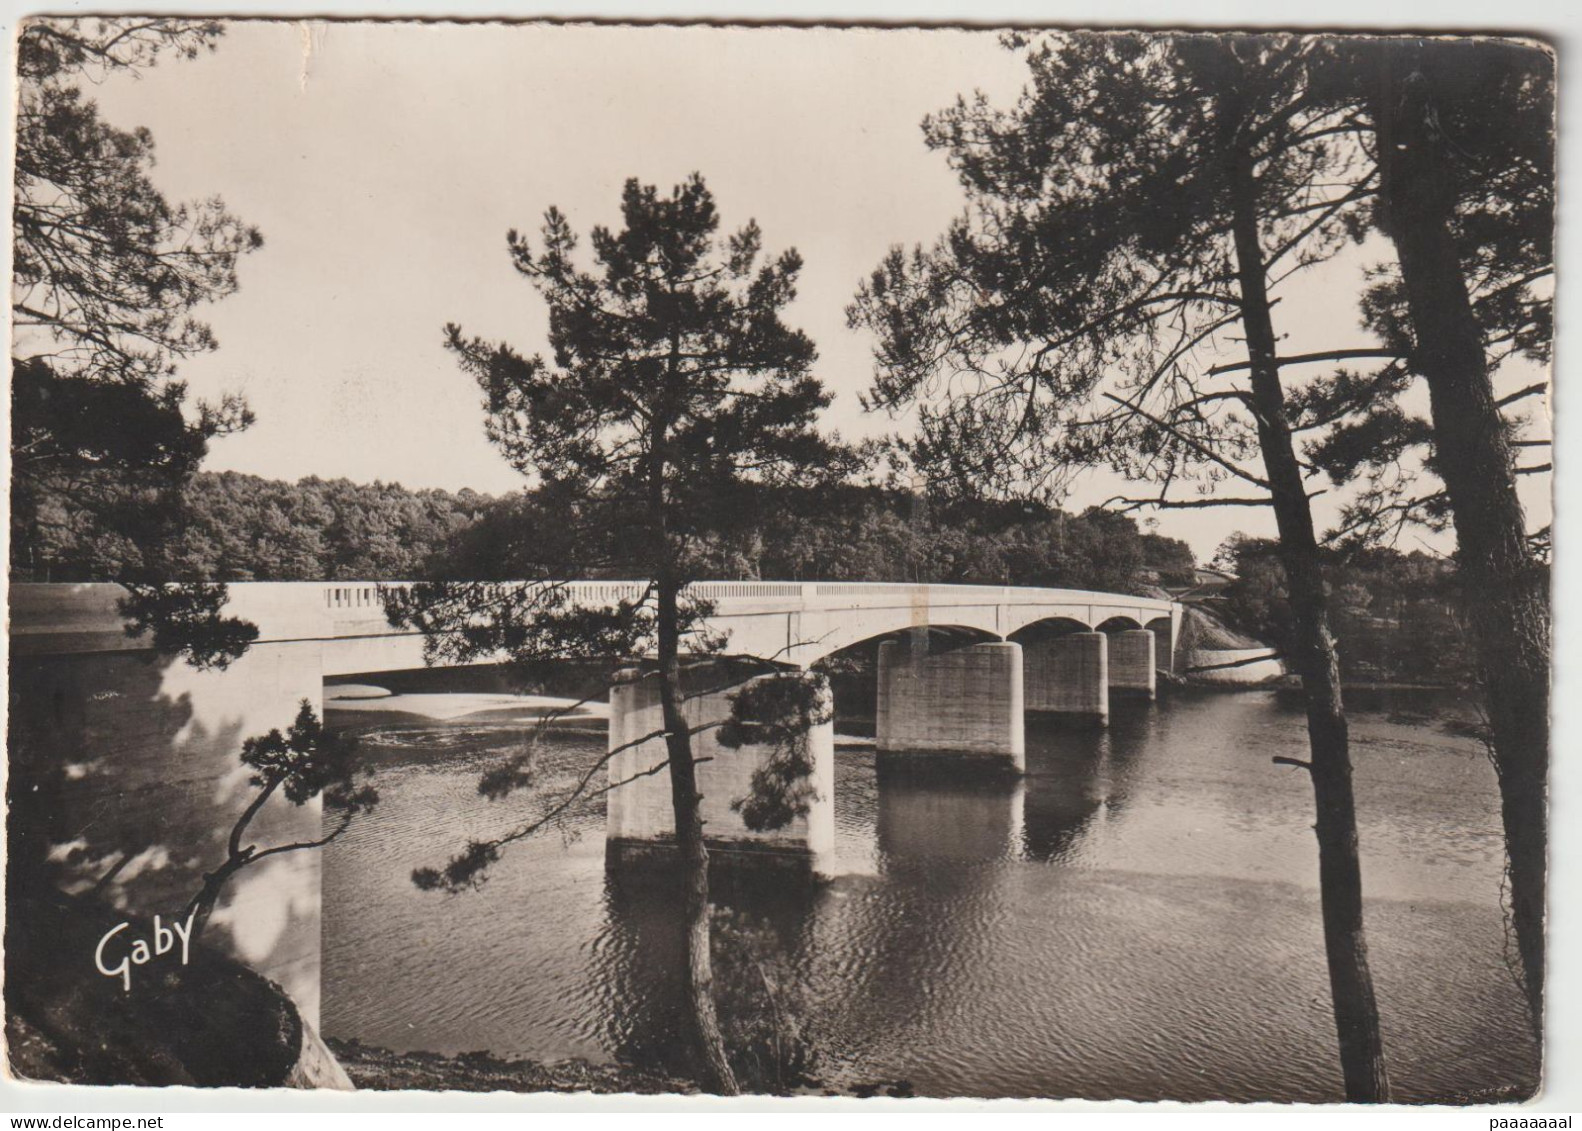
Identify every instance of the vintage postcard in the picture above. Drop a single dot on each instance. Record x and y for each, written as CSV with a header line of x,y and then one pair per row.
x,y
782,561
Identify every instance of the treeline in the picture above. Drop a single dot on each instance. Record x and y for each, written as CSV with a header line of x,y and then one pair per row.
x,y
1396,616
895,536
228,526
867,533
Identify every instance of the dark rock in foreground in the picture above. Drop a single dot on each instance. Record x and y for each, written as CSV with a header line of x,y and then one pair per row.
x,y
210,1022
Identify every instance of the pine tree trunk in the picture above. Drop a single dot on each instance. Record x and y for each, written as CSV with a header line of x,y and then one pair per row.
x,y
1339,870
202,904
694,856
1508,605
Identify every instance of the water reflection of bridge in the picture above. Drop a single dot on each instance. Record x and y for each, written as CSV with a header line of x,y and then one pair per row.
x,y
141,752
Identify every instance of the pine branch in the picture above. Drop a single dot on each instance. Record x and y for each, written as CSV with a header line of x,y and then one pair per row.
x,y
1307,358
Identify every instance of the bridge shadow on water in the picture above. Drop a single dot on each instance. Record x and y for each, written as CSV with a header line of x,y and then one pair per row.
x,y
1078,774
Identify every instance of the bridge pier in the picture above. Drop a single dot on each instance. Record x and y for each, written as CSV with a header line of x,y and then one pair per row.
x,y
962,706
640,817
1163,629
1133,671
1070,675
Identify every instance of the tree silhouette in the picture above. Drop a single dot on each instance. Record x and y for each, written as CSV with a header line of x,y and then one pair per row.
x,y
673,388
106,270
1464,137
105,275
305,762
1451,143
1129,220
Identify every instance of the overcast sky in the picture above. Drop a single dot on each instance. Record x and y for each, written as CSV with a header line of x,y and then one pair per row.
x,y
384,164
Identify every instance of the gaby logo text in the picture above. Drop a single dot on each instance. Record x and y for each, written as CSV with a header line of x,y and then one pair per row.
x,y
139,953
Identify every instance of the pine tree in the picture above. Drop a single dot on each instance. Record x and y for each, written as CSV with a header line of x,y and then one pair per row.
x,y
1464,137
673,384
1127,220
105,275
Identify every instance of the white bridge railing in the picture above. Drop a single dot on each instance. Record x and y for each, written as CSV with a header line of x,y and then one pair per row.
x,y
365,594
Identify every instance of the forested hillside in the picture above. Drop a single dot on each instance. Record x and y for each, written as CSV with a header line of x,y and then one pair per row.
x,y
1394,613
235,527
1396,616
863,533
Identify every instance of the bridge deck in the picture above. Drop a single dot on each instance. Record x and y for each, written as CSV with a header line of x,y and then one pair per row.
x,y
799,621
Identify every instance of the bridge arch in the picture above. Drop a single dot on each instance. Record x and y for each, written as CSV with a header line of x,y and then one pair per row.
x,y
1119,624
1048,629
816,635
935,638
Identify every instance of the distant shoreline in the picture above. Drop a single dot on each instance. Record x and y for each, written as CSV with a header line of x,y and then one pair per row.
x,y
1294,683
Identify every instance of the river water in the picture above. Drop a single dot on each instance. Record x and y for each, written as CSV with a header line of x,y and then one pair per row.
x,y
1138,918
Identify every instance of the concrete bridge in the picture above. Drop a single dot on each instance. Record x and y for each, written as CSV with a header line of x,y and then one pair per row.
x,y
139,753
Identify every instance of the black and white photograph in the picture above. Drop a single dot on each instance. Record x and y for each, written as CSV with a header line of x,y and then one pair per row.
x,y
773,560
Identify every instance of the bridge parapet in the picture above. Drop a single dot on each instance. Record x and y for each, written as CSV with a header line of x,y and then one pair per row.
x,y
794,622
365,594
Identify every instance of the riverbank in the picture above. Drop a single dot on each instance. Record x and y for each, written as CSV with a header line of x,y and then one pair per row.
x,y
1291,682
378,1069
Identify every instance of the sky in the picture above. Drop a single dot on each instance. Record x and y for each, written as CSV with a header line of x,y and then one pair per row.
x,y
384,164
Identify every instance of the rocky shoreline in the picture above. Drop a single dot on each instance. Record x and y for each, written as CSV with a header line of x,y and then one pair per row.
x,y
379,1069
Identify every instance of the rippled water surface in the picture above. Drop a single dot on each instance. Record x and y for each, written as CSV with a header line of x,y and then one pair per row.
x,y
1138,918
